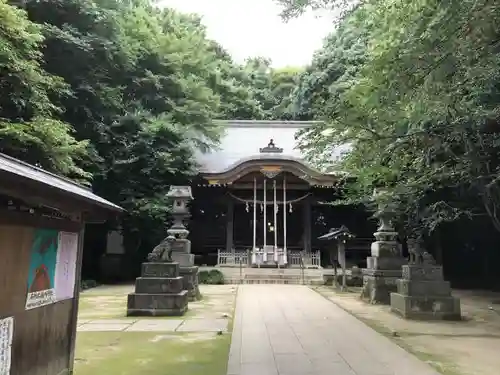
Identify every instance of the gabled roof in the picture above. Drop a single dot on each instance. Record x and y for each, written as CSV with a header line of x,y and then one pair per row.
x,y
24,172
336,233
243,139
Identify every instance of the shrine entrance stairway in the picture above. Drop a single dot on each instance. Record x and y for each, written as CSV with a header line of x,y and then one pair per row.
x,y
250,275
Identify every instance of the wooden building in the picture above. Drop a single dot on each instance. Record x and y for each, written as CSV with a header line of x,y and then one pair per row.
x,y
42,220
259,203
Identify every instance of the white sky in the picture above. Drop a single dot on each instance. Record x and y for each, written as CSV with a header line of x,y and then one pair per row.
x,y
247,28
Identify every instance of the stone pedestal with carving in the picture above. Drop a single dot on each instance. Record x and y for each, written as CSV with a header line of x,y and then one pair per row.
x,y
423,294
159,291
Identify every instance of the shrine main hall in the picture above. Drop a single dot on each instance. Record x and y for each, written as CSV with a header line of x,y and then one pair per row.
x,y
258,203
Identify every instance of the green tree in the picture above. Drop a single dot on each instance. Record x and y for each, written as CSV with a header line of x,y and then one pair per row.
x,y
28,129
295,8
230,80
272,88
284,82
420,113
319,93
143,93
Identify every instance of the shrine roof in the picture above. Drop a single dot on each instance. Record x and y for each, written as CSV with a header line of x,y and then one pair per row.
x,y
243,139
336,233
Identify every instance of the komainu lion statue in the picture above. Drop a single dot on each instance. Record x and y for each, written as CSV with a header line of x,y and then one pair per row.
x,y
418,254
163,251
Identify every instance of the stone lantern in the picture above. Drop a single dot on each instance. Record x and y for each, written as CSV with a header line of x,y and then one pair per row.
x,y
383,267
181,196
181,248
169,279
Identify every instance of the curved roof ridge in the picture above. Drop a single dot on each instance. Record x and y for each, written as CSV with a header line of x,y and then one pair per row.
x,y
264,156
242,140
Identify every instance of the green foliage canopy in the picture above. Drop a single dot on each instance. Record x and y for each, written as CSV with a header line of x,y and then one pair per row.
x,y
29,128
120,95
412,87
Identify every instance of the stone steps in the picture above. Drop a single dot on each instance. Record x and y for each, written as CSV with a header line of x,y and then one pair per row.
x,y
277,279
268,271
271,276
249,275
274,281
271,281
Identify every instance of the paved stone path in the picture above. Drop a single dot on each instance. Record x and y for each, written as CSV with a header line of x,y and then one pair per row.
x,y
153,325
292,330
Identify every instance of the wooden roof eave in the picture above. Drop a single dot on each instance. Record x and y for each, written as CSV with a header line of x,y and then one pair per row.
x,y
299,169
37,186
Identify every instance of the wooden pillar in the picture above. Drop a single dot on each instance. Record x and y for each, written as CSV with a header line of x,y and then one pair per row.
x,y
275,222
285,260
341,259
264,229
252,257
76,300
254,207
307,224
229,224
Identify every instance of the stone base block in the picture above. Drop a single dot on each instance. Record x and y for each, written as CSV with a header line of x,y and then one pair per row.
x,y
383,249
382,273
370,263
378,289
181,245
160,269
386,263
184,259
426,308
190,282
140,304
439,288
422,272
353,281
159,285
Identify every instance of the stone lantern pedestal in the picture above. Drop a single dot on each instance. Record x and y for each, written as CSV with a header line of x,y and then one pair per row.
x,y
382,271
384,265
181,247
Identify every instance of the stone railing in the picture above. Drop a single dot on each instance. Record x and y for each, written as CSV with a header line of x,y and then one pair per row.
x,y
309,259
232,258
295,259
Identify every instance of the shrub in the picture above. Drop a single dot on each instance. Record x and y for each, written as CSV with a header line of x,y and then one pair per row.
x,y
212,277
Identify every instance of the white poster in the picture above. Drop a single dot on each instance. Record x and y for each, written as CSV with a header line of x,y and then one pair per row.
x,y
65,274
6,334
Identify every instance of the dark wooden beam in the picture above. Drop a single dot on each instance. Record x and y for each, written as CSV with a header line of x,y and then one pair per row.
x,y
307,224
230,224
11,217
249,186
